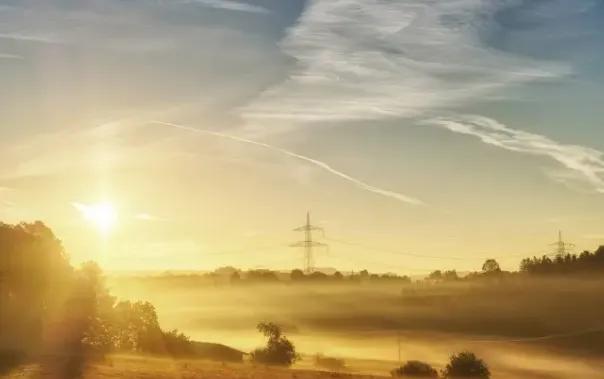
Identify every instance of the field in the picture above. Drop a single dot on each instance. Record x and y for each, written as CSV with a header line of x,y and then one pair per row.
x,y
534,328
138,367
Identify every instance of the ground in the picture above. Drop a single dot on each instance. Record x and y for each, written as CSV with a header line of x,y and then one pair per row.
x,y
137,367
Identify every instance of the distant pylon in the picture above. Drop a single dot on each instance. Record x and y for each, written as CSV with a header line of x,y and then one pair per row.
x,y
308,244
562,248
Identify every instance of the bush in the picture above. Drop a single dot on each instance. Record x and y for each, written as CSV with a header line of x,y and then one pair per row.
x,y
279,351
415,369
466,365
177,344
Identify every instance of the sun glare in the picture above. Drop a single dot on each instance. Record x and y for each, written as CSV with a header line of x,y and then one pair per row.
x,y
102,215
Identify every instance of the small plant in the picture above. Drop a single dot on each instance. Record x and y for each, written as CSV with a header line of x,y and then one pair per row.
x,y
279,351
415,369
467,366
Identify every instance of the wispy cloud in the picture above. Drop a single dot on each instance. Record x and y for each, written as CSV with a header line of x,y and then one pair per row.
x,y
231,5
585,161
38,38
11,56
360,59
357,182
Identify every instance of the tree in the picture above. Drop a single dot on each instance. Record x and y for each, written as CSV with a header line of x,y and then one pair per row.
x,y
235,277
435,275
177,344
41,292
261,276
490,266
450,275
466,365
279,351
296,275
415,369
35,278
97,309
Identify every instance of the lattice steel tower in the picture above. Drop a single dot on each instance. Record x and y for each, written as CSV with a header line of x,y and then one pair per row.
x,y
308,244
562,248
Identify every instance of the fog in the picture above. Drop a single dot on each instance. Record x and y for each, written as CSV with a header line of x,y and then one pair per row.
x,y
523,327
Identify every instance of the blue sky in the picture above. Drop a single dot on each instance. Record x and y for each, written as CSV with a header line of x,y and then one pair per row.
x,y
465,128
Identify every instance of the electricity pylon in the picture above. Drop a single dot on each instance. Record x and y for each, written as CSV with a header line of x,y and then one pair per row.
x,y
562,248
308,244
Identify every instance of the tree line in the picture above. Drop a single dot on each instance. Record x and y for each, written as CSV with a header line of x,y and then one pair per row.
x,y
232,275
568,264
586,262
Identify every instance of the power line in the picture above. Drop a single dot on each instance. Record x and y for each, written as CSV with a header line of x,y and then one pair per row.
x,y
543,338
381,263
394,252
245,251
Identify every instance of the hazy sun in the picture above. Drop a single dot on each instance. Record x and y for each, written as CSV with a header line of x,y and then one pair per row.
x,y
102,215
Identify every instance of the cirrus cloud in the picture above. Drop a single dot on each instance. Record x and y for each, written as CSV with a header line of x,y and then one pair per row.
x,y
360,59
585,161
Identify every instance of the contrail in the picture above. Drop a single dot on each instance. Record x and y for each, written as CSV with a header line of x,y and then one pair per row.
x,y
393,195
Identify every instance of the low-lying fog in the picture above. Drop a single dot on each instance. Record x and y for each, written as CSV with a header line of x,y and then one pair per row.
x,y
523,328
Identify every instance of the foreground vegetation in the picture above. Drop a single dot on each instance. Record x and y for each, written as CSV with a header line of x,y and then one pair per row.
x,y
464,365
49,308
145,367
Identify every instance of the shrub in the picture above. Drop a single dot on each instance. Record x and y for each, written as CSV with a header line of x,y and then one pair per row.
x,y
279,351
177,344
466,365
415,369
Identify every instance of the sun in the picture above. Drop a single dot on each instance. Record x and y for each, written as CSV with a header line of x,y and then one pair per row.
x,y
102,215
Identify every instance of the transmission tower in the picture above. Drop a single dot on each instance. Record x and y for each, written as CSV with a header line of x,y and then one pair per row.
x,y
308,244
562,248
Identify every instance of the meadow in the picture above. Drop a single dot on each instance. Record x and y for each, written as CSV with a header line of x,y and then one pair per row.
x,y
523,327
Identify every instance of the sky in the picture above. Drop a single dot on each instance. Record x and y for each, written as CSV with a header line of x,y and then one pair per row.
x,y
194,134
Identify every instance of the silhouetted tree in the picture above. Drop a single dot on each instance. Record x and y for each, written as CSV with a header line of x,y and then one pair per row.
x,y
585,262
40,291
435,275
177,344
450,275
279,350
35,278
98,337
261,276
466,365
364,274
490,266
415,369
297,275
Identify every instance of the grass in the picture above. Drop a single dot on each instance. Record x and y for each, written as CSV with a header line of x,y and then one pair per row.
x,y
141,367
